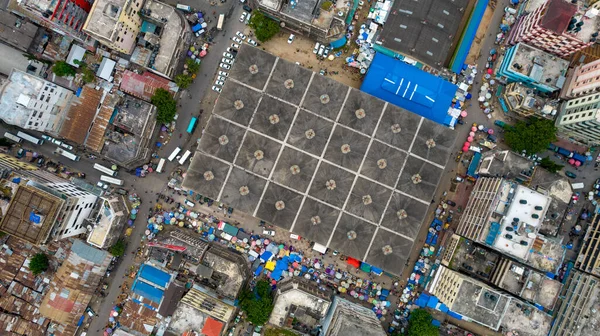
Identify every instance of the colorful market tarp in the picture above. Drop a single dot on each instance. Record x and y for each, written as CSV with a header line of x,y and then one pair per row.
x,y
353,262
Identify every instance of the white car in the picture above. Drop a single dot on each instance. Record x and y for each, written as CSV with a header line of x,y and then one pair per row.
x,y
102,185
243,16
220,83
223,73
56,142
216,89
316,49
235,46
291,38
269,233
240,35
225,66
190,203
252,42
66,146
326,52
321,50
231,50
228,55
221,78
236,40
47,138
226,61
248,18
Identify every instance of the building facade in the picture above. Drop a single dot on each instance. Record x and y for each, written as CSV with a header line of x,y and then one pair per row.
x,y
33,103
557,26
579,119
115,23
582,80
80,204
348,318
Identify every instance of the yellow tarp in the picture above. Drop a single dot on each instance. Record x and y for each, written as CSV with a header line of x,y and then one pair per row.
x,y
270,265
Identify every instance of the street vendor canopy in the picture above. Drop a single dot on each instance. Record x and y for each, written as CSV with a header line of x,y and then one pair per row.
x,y
338,43
353,262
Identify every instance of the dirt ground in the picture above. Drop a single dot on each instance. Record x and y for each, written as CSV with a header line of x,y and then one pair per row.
x,y
301,51
475,51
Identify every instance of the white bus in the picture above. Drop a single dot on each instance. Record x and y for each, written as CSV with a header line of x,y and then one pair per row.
x,y
185,157
185,8
67,154
111,180
220,22
30,138
161,165
105,170
174,154
12,137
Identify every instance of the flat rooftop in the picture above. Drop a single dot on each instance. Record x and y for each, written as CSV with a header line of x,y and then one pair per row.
x,y
524,319
15,31
476,302
234,277
306,11
109,214
539,65
293,148
424,29
104,17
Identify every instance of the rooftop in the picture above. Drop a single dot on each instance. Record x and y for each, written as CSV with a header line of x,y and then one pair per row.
x,y
81,114
104,18
143,85
95,138
295,165
186,318
424,29
348,318
31,214
539,65
526,320
522,99
560,190
230,272
299,293
505,164
112,214
558,17
578,316
15,31
308,12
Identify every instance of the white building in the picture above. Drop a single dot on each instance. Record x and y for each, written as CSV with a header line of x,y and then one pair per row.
x,y
579,119
107,220
33,103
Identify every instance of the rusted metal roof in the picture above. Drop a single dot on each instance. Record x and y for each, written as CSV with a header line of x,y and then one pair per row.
x,y
81,114
144,85
95,140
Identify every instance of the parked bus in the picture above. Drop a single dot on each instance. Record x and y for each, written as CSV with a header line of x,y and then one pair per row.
x,y
185,157
185,8
12,137
111,180
161,165
105,170
192,125
67,154
174,154
30,138
220,22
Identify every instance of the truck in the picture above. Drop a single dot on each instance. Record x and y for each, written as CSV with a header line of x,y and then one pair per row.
x,y
184,8
578,157
221,22
198,26
564,152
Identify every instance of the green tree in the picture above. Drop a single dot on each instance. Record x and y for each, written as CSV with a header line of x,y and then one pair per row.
x,y
257,304
264,27
532,136
419,324
63,69
192,66
166,106
326,5
39,263
183,81
550,165
118,248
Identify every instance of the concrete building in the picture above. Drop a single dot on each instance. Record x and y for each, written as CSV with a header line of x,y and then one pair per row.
x,y
559,27
483,201
300,300
65,17
33,103
579,119
582,80
588,260
532,67
525,102
115,23
307,17
348,318
471,299
107,219
15,31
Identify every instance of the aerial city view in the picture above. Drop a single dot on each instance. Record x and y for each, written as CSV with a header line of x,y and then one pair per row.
x,y
299,167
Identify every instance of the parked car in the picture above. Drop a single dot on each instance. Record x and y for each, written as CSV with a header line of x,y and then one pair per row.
x,y
295,236
225,66
221,78
226,61
40,161
220,83
231,50
291,38
508,236
252,42
326,52
247,9
570,174
228,55
243,16
56,142
216,89
459,179
321,50
467,267
450,203
240,35
235,46
316,48
229,211
102,185
67,146
47,138
190,203
223,73
237,40
269,233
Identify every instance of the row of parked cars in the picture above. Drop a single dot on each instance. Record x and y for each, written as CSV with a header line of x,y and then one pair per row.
x,y
57,142
321,50
229,58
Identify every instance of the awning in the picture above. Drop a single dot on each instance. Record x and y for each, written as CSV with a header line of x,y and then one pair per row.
x,y
320,248
338,43
353,262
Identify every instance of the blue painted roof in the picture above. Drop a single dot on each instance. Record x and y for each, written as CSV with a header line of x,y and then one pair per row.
x,y
474,164
410,88
154,275
88,252
150,292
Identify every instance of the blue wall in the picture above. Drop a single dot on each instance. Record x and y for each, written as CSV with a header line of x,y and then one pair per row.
x,y
505,71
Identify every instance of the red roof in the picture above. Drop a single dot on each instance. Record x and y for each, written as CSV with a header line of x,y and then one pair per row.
x,y
212,327
558,14
144,85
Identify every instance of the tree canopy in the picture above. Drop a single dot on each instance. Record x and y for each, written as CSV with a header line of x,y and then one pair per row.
x,y
183,81
63,69
39,263
192,66
166,106
550,165
118,248
532,136
257,304
419,324
264,27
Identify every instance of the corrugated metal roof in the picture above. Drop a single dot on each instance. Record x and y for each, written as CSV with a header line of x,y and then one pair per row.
x,y
89,253
81,114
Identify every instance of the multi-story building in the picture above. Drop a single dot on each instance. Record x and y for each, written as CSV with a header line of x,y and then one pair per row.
x,y
559,27
115,23
65,17
482,203
582,80
108,218
15,31
532,67
579,119
588,260
33,103
348,318
297,299
524,101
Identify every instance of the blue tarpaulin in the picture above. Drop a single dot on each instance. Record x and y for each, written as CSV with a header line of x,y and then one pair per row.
x,y
464,45
16,180
454,315
338,43
34,218
422,300
436,323
266,256
474,164
376,271
80,322
258,270
154,275
433,301
443,308
150,292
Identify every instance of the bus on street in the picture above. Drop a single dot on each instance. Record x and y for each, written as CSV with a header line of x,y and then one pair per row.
x,y
105,170
220,22
174,154
161,165
192,125
185,157
30,138
67,154
12,137
111,180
